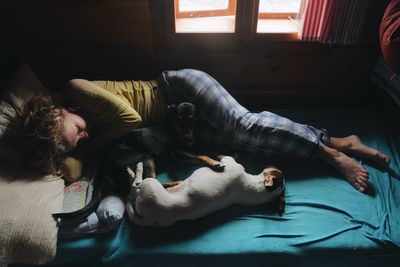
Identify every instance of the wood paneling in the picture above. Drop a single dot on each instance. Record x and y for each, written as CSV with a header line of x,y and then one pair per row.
x,y
101,23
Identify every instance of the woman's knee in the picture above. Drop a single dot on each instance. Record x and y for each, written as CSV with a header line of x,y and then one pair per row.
x,y
193,76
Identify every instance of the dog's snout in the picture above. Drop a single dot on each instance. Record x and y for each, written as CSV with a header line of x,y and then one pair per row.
x,y
189,141
186,135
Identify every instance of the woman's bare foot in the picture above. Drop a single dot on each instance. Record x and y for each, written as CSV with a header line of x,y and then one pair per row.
x,y
353,145
354,172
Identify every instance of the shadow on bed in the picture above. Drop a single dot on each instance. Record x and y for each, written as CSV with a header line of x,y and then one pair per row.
x,y
189,230
394,174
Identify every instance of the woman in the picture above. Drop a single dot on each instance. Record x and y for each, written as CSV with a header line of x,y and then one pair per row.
x,y
109,110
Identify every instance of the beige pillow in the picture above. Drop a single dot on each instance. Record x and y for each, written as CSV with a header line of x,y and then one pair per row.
x,y
28,233
22,87
7,116
8,145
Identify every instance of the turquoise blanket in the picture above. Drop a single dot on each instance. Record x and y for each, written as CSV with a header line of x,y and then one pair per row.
x,y
326,221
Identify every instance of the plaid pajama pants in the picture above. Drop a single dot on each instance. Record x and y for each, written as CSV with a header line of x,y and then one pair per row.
x,y
235,126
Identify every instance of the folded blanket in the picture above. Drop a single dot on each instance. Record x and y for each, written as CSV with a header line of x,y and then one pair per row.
x,y
28,233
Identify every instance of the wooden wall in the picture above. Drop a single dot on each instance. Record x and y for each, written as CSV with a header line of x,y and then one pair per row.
x,y
115,39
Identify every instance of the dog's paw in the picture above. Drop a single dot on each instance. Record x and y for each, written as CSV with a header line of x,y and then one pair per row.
x,y
217,166
132,175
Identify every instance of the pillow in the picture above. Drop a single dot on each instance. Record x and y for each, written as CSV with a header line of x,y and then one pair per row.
x,y
8,114
28,232
390,35
22,87
8,145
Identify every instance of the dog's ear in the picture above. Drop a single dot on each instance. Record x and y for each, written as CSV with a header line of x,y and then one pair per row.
x,y
195,111
191,108
171,108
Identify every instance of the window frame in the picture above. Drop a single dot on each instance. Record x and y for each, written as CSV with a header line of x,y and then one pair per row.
x,y
245,36
230,11
277,15
259,39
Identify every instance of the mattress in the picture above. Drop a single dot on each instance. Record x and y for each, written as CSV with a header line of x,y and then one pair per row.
x,y
326,221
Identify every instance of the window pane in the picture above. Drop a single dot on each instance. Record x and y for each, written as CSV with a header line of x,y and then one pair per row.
x,y
279,6
278,16
196,5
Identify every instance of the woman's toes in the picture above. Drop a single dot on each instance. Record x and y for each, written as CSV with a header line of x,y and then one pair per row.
x,y
358,187
363,184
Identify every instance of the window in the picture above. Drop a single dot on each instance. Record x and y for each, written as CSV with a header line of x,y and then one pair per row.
x,y
274,16
222,25
204,16
278,16
205,8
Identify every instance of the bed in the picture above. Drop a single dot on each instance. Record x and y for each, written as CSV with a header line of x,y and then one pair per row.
x,y
326,221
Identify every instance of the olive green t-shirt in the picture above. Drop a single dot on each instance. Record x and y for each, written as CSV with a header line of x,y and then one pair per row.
x,y
115,108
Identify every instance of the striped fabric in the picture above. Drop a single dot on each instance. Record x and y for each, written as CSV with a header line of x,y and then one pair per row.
x,y
234,125
384,78
332,21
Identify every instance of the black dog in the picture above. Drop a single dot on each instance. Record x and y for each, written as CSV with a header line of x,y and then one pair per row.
x,y
183,117
145,145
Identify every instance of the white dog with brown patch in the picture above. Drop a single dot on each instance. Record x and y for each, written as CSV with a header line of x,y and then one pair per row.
x,y
203,192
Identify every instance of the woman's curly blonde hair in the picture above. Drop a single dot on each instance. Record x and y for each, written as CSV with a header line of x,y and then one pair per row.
x,y
43,123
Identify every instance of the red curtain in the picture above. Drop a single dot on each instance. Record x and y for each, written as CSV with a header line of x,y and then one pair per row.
x,y
332,21
390,35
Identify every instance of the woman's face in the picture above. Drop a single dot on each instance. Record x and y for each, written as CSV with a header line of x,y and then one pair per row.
x,y
74,130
